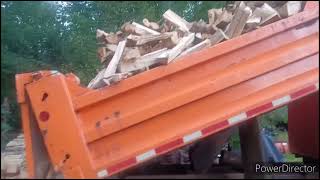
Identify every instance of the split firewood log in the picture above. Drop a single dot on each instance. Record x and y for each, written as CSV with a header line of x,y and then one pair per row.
x,y
178,21
239,21
290,8
152,25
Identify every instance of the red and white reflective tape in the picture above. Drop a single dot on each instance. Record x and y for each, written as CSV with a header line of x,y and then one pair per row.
x,y
208,130
146,155
191,137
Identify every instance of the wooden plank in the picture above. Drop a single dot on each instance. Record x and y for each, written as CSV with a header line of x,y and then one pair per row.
x,y
222,18
112,67
165,43
239,21
202,45
142,30
145,61
149,38
290,8
181,23
174,37
131,53
198,38
254,19
253,22
218,36
267,14
96,81
184,43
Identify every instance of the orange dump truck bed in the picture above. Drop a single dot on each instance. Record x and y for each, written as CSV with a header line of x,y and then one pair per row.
x,y
97,133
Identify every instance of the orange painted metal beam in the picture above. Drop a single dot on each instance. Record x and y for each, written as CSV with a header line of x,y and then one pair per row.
x,y
97,133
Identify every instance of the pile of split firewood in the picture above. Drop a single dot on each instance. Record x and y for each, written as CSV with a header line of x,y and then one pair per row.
x,y
140,47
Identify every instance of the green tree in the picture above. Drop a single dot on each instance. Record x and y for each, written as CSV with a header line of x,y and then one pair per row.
x,y
61,35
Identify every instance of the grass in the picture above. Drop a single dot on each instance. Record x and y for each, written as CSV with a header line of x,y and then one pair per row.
x,y
292,158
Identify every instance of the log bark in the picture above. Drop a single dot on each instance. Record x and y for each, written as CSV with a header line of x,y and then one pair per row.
x,y
112,67
105,73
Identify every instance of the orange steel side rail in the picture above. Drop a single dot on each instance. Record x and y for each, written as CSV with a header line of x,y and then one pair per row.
x,y
97,133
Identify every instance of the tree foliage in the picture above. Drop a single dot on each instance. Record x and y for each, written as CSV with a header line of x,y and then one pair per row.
x,y
40,35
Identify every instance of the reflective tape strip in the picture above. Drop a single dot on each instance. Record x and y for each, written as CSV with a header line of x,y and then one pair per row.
x,y
259,109
302,92
208,130
281,100
102,173
237,118
192,136
215,127
146,155
169,145
122,165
